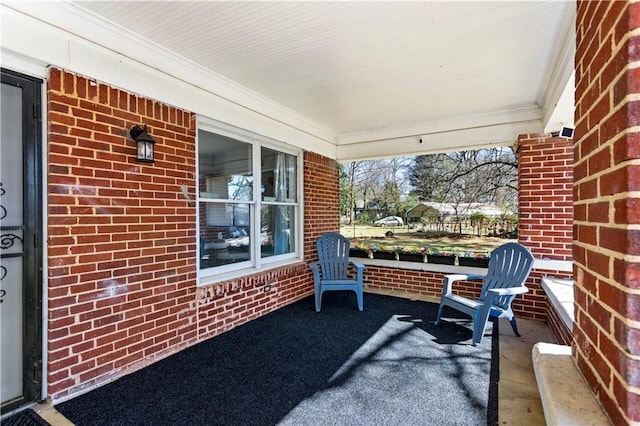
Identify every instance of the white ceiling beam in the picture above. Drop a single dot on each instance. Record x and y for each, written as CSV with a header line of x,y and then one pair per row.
x,y
562,113
455,140
557,95
527,113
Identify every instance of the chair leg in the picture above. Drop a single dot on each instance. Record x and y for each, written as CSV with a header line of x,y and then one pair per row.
x,y
480,320
479,325
439,314
318,300
359,297
514,326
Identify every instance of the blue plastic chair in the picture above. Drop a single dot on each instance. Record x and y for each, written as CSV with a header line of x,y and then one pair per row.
x,y
509,267
331,271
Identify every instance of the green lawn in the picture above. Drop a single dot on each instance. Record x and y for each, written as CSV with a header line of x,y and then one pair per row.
x,y
416,240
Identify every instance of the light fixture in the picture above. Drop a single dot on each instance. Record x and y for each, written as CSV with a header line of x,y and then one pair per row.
x,y
566,132
144,142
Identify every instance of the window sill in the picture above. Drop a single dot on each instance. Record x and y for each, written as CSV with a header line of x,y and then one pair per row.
x,y
239,273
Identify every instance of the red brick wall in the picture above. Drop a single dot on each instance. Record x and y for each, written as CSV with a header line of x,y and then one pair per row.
x,y
121,250
607,215
223,306
428,285
558,328
533,305
121,246
545,195
405,282
538,304
321,200
545,213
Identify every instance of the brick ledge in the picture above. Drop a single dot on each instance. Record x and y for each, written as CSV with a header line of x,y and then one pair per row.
x,y
560,294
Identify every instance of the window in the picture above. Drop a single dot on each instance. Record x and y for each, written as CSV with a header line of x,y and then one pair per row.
x,y
278,210
247,202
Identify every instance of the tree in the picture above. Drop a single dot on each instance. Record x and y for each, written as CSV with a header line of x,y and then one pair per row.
x,y
456,178
347,195
482,176
382,183
426,176
357,186
478,221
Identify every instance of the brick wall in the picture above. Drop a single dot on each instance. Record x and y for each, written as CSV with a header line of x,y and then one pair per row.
x,y
545,195
223,306
545,218
558,328
321,200
121,246
405,282
121,250
607,215
427,285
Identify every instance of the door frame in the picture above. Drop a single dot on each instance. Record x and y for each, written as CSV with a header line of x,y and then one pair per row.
x,y
33,242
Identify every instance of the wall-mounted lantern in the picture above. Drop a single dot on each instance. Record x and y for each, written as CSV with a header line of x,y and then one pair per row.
x,y
144,142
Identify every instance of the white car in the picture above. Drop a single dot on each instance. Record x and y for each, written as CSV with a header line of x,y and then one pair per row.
x,y
389,221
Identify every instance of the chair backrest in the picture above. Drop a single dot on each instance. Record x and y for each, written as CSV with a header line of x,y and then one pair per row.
x,y
509,266
333,256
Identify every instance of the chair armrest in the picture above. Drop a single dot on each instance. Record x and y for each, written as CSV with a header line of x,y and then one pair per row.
x,y
494,293
359,270
357,264
475,277
451,278
508,291
315,267
463,277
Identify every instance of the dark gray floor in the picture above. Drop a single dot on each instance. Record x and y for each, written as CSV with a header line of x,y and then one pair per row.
x,y
388,365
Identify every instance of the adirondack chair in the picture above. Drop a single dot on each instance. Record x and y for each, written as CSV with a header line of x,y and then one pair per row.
x,y
331,271
509,267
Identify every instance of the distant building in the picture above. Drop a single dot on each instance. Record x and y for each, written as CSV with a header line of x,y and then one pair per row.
x,y
449,210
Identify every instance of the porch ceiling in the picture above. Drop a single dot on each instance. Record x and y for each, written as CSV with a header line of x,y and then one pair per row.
x,y
379,76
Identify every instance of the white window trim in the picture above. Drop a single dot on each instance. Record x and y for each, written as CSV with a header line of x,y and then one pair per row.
x,y
225,272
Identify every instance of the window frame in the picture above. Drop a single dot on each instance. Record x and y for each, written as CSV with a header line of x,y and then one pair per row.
x,y
255,263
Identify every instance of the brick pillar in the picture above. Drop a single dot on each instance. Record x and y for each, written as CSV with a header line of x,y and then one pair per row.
x,y
607,204
545,217
545,195
321,199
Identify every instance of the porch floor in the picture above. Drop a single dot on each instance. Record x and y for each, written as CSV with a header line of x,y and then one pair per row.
x,y
518,396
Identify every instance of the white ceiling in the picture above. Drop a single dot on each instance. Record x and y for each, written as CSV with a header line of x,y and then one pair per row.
x,y
377,71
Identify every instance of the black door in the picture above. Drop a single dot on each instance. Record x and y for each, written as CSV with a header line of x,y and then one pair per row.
x,y
20,240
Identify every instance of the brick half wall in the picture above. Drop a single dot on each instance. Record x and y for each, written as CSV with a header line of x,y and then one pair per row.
x,y
559,330
427,285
